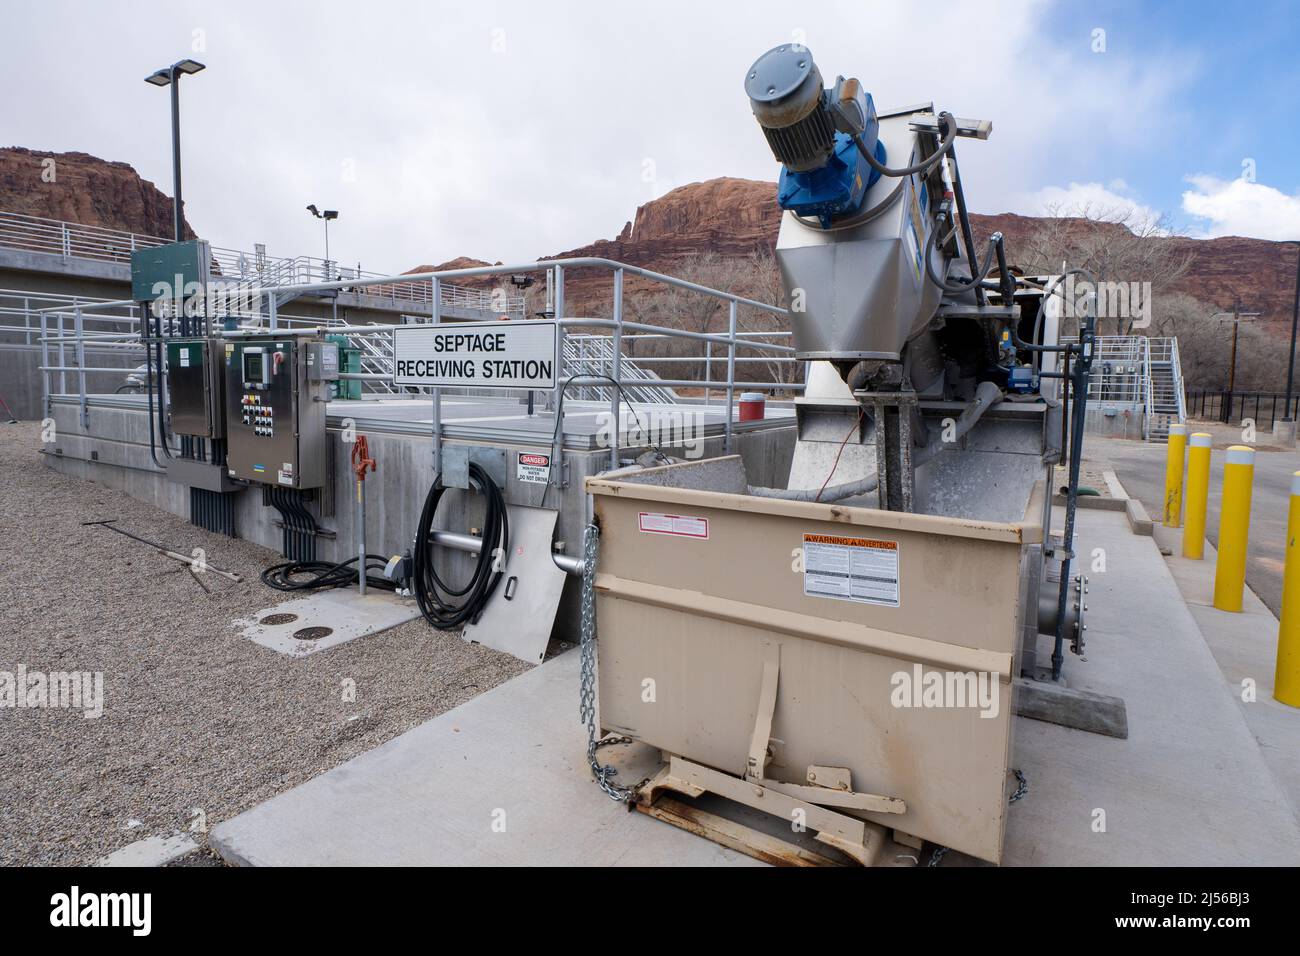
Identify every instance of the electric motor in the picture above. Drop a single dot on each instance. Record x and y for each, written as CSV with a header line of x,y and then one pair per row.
x,y
785,93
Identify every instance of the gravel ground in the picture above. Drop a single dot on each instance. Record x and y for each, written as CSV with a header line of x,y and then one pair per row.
x,y
196,720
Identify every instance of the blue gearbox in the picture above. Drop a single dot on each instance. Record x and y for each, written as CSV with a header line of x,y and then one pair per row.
x,y
838,187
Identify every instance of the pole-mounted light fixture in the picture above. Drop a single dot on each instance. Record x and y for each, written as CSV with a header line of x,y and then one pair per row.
x,y
170,76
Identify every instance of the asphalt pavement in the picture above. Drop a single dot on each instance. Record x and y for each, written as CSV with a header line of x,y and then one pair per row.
x,y
1140,467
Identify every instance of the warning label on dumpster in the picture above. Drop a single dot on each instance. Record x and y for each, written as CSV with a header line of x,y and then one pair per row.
x,y
851,569
683,526
533,468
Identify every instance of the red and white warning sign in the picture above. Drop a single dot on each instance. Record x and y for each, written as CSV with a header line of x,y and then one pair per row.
x,y
851,569
533,468
684,526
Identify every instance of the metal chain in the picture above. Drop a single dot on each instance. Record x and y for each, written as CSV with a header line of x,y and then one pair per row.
x,y
1022,788
587,681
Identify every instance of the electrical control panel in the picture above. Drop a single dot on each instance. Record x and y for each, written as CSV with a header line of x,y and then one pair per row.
x,y
276,392
196,386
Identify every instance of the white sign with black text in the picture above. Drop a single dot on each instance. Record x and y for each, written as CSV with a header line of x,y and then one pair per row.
x,y
469,354
533,468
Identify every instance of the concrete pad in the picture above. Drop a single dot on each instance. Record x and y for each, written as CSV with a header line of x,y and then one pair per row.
x,y
344,611
153,851
1139,521
500,780
503,779
1190,786
1244,645
1080,709
1113,484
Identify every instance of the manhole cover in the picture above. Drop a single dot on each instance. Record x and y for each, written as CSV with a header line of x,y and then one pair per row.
x,y
273,619
313,633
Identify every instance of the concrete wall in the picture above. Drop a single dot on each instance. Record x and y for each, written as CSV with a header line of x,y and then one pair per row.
x,y
114,452
1114,419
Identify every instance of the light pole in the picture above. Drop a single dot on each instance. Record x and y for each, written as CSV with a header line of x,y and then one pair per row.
x,y
171,76
1237,315
1295,317
326,215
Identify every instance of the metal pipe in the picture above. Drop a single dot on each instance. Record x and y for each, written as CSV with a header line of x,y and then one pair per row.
x,y
1086,347
967,237
361,535
595,262
81,369
45,375
731,374
594,380
176,152
616,368
472,545
435,393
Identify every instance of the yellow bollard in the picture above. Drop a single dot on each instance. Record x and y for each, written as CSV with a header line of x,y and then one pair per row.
x,y
1234,525
1286,681
1198,495
1173,513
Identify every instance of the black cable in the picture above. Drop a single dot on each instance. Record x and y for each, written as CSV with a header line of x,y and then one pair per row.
x,y
962,285
559,419
285,576
444,606
946,123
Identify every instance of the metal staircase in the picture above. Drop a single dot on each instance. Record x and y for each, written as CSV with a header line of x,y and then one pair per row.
x,y
594,355
1166,400
1140,378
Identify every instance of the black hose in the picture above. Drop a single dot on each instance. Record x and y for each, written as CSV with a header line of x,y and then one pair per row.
x,y
444,606
949,127
284,577
961,285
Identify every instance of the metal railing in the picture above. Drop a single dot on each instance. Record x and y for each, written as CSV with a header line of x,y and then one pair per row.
x,y
70,240
1263,408
1142,376
62,326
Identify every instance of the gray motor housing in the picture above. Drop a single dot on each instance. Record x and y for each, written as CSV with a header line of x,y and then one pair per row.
x,y
859,291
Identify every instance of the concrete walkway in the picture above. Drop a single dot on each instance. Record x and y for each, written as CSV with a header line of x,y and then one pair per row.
x,y
502,779
1190,786
1244,646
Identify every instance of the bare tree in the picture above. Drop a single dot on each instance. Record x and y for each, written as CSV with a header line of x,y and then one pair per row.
x,y
1116,244
753,276
1205,346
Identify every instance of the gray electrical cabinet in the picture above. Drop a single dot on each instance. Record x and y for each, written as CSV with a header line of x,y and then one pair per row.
x,y
276,392
196,385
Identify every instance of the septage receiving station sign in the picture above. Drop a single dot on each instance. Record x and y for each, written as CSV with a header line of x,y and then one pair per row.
x,y
466,354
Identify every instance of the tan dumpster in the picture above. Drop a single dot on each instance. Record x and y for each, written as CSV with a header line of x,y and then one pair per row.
x,y
843,662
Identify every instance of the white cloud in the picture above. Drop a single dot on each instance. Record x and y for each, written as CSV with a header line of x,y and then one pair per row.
x,y
1113,201
509,130
1241,208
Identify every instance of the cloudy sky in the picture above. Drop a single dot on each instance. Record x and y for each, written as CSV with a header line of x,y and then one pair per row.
x,y
511,130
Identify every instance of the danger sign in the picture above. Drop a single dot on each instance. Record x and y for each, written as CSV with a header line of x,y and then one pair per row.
x,y
533,468
468,354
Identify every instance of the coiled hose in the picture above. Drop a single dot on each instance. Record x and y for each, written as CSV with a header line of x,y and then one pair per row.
x,y
284,577
444,606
